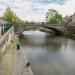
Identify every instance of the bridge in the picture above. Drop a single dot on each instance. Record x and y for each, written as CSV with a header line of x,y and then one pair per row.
x,y
57,29
22,27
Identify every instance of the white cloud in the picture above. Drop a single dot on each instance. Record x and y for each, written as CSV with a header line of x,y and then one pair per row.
x,y
29,10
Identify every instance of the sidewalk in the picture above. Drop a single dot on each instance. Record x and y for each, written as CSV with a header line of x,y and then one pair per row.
x,y
20,63
13,62
7,60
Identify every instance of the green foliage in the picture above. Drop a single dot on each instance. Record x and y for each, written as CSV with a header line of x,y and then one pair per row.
x,y
8,15
56,18
11,17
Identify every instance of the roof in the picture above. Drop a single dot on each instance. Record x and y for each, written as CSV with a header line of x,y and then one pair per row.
x,y
2,21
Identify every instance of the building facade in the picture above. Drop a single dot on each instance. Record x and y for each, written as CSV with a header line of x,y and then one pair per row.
x,y
69,20
73,19
2,23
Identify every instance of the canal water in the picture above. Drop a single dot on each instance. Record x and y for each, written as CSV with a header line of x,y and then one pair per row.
x,y
49,55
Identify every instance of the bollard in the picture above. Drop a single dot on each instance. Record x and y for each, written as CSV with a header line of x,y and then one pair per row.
x,y
18,46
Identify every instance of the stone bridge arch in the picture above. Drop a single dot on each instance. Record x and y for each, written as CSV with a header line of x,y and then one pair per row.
x,y
55,30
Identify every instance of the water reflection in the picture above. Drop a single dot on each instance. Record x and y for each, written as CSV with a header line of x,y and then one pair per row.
x,y
49,55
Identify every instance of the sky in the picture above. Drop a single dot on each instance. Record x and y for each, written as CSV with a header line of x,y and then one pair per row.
x,y
35,10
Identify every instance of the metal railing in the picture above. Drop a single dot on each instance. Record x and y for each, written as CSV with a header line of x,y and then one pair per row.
x,y
5,28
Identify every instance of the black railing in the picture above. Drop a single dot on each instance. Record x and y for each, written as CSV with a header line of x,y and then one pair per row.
x,y
5,28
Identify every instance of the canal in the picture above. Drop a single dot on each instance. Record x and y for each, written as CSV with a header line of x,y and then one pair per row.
x,y
49,55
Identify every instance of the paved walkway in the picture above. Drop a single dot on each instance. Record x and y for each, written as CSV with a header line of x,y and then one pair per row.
x,y
13,62
20,63
6,62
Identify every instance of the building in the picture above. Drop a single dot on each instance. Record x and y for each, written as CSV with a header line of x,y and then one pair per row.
x,y
69,20
51,12
2,23
73,19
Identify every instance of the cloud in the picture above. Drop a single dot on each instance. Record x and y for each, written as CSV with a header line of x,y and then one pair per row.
x,y
35,10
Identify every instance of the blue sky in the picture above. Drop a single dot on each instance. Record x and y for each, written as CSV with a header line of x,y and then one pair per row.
x,y
35,10
50,1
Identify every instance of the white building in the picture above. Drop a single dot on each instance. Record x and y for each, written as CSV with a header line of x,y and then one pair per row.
x,y
51,12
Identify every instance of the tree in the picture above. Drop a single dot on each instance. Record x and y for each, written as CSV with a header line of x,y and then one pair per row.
x,y
8,15
54,18
11,17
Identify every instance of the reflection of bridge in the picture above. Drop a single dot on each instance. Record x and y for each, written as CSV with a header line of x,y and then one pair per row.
x,y
55,28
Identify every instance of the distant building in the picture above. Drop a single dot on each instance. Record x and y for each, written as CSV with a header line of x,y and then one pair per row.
x,y
69,20
51,12
2,22
73,19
